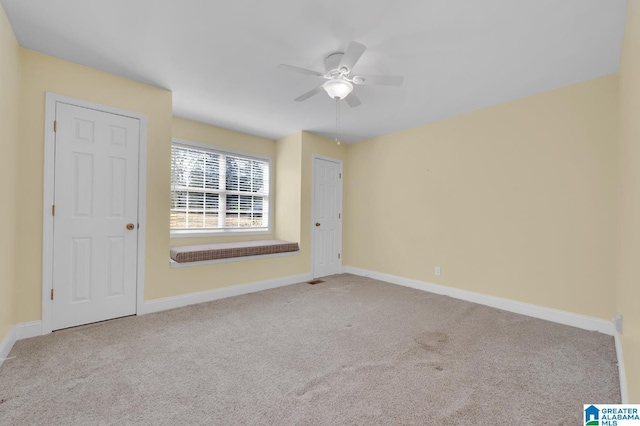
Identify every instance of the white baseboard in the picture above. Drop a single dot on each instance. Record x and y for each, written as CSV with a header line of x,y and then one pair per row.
x,y
7,344
19,332
621,371
158,305
28,329
554,315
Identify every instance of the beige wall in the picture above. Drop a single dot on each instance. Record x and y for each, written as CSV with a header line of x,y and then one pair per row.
x,y
288,187
628,294
42,73
515,201
9,102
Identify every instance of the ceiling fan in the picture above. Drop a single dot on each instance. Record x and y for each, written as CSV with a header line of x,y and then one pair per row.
x,y
339,84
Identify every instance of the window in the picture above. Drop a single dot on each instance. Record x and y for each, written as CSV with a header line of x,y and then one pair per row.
x,y
214,191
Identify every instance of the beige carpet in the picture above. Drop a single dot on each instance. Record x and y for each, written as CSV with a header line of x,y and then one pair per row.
x,y
349,351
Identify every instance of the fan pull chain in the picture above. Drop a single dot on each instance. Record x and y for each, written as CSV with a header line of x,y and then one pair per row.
x,y
337,120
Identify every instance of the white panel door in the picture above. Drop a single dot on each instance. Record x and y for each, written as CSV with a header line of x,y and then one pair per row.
x,y
96,216
327,216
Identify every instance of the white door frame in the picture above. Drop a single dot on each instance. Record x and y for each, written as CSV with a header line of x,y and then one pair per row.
x,y
313,202
48,190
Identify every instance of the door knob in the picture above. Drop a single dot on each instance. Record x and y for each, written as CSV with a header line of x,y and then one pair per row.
x,y
130,226
317,223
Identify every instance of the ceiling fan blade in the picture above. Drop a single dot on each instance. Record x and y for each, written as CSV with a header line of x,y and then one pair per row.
x,y
351,55
353,100
309,94
381,80
299,70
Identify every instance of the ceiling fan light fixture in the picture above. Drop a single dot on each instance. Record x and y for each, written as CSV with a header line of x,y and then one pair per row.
x,y
338,88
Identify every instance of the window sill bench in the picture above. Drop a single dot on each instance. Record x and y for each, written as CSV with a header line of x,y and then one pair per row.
x,y
207,254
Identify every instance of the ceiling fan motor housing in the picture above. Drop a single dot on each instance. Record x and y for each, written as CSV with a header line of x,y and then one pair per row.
x,y
331,64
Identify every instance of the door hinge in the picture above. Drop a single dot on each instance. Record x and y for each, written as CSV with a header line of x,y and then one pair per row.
x,y
340,175
53,210
55,125
338,255
51,294
339,216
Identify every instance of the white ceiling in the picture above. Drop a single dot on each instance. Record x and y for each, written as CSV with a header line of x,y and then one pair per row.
x,y
219,58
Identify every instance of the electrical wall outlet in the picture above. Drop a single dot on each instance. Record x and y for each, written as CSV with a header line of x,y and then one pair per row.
x,y
437,270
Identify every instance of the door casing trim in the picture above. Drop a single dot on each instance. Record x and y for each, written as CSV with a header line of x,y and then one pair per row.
x,y
313,202
48,198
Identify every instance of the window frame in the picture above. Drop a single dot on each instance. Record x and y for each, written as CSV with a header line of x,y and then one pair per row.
x,y
209,232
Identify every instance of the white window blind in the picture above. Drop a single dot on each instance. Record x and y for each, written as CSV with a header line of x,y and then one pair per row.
x,y
215,190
